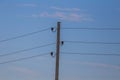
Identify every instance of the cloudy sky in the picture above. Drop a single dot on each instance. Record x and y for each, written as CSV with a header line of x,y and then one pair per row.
x,y
25,33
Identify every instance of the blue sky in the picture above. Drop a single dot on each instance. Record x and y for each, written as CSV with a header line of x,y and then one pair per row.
x,y
19,17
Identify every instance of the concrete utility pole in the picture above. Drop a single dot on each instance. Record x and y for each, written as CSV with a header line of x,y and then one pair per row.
x,y
57,52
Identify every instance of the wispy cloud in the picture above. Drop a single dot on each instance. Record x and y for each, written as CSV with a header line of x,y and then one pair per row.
x,y
65,9
27,5
67,14
64,16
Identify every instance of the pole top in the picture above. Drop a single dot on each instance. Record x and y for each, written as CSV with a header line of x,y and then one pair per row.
x,y
58,22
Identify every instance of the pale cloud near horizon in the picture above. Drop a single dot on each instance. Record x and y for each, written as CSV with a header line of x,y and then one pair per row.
x,y
102,65
23,71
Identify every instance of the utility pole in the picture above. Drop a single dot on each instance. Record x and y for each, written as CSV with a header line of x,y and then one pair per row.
x,y
57,52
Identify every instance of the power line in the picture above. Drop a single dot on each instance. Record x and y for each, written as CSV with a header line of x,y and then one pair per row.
x,y
96,54
21,59
94,28
24,35
24,50
86,42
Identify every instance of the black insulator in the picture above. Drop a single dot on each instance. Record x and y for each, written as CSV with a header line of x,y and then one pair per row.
x,y
51,54
62,42
52,29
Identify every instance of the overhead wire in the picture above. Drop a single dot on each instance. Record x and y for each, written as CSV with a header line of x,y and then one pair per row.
x,y
32,33
90,54
24,35
25,58
88,42
24,50
93,28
